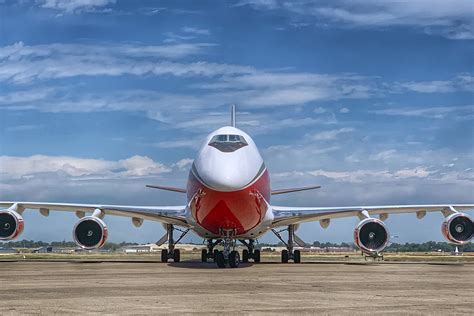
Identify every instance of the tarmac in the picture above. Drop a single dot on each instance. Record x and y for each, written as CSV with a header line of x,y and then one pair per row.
x,y
94,287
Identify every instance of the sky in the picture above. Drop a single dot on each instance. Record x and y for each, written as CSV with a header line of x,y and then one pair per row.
x,y
373,100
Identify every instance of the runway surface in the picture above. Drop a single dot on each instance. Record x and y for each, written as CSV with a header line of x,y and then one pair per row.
x,y
192,287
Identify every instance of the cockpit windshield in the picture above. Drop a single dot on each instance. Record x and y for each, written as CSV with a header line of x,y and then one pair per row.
x,y
228,143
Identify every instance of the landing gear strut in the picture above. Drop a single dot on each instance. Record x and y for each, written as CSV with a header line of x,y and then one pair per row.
x,y
171,252
229,255
250,252
289,253
210,252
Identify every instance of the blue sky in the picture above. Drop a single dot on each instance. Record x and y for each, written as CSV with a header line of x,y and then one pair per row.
x,y
371,99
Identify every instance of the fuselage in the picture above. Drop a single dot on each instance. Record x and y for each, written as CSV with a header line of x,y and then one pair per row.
x,y
228,188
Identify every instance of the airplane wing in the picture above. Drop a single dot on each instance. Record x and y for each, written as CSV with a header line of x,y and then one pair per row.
x,y
295,215
165,214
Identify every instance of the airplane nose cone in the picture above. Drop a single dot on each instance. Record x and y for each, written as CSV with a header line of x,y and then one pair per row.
x,y
226,173
225,178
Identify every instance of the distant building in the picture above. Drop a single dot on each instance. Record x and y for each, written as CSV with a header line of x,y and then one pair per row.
x,y
47,249
7,250
141,248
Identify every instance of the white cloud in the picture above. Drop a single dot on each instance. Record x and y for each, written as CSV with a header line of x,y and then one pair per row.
x,y
184,164
24,127
196,31
461,82
419,172
21,63
359,176
332,134
74,5
319,110
452,19
278,89
440,112
383,155
139,166
179,143
12,167
344,110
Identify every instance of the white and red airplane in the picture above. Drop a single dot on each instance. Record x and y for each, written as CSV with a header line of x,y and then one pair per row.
x,y
228,200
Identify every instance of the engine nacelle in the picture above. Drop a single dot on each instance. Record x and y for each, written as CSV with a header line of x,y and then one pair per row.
x,y
458,228
11,225
90,232
371,235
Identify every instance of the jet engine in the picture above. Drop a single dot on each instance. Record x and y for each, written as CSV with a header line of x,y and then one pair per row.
x,y
371,235
11,224
458,228
90,232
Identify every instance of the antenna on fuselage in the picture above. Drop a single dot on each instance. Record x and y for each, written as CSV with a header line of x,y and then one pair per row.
x,y
232,115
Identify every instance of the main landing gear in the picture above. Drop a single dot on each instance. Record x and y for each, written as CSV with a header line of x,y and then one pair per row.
x,y
171,252
233,258
289,253
229,256
210,252
250,252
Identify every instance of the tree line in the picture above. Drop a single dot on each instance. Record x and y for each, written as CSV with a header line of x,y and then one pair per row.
x,y
394,247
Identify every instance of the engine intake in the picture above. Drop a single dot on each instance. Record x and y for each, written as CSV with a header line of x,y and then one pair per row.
x,y
90,232
458,228
11,225
371,235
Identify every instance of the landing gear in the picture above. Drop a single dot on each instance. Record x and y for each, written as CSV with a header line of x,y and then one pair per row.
x,y
296,256
288,253
176,255
210,252
171,252
234,259
220,260
164,255
284,256
228,255
256,256
245,255
250,252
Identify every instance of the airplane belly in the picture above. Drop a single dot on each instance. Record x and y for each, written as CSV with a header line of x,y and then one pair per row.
x,y
240,210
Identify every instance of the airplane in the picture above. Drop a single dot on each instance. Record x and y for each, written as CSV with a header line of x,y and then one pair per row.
x,y
228,201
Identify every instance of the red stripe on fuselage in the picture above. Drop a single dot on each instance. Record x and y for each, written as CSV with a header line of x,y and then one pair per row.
x,y
241,210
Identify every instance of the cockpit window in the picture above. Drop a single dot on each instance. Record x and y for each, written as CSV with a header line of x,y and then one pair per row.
x,y
228,143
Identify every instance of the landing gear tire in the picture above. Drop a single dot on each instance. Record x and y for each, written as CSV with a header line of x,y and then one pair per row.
x,y
176,255
284,256
234,259
164,255
245,255
204,255
256,256
219,258
297,256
